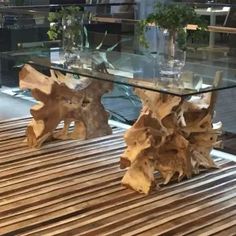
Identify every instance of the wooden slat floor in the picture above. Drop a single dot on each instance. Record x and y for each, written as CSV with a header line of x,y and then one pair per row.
x,y
73,188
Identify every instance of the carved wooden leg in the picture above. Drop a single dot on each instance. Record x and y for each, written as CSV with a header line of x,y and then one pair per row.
x,y
63,98
177,134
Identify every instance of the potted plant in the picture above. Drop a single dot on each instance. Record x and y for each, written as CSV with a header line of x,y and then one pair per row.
x,y
171,20
67,24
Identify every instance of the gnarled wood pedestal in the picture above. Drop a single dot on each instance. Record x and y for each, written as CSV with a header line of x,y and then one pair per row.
x,y
173,136
63,98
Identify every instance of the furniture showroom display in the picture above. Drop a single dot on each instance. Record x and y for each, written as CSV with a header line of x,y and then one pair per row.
x,y
170,142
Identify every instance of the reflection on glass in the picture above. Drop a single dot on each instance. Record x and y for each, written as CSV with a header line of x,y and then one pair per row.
x,y
171,53
131,69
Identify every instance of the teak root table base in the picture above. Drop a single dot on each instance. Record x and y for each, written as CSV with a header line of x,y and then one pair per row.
x,y
62,98
172,135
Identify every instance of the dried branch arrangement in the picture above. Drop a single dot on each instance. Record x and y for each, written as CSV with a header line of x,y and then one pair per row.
x,y
173,136
63,98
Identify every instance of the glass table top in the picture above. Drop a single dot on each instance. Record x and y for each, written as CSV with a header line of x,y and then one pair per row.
x,y
141,71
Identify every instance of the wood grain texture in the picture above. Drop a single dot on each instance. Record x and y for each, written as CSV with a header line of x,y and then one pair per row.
x,y
173,136
73,188
61,97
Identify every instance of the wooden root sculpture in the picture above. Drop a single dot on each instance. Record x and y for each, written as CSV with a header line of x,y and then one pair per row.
x,y
63,98
173,136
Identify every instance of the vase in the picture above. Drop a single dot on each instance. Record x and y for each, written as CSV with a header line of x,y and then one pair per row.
x,y
171,53
72,37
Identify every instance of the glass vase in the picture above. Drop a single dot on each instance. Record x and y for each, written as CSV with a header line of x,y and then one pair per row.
x,y
72,37
171,53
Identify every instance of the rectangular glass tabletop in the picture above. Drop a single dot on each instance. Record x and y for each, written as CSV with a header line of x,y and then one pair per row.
x,y
130,69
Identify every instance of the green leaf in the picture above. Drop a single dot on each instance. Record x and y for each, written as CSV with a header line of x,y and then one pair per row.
x,y
173,17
